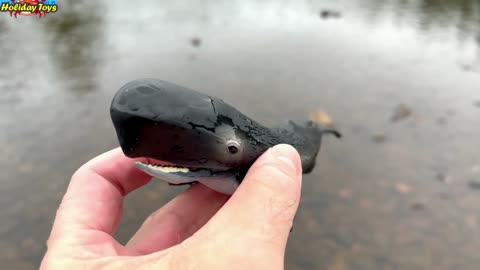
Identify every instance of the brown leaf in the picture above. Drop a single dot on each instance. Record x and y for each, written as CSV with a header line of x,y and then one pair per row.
x,y
321,117
345,193
402,187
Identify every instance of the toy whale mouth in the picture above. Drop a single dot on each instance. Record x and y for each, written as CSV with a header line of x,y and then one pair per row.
x,y
222,181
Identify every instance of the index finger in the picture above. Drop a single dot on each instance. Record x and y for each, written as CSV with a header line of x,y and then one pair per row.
x,y
94,197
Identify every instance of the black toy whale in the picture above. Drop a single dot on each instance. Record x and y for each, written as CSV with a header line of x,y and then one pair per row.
x,y
190,137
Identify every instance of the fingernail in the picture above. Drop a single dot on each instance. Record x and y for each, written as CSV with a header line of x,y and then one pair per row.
x,y
288,155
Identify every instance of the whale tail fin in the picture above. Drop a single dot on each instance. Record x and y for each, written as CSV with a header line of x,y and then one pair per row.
x,y
308,138
336,133
315,129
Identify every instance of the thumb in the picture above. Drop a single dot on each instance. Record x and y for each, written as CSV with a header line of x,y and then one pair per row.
x,y
263,207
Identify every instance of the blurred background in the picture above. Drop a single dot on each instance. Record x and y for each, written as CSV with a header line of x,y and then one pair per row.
x,y
400,79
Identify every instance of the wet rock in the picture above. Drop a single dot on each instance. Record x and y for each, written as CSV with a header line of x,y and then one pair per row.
x,y
379,138
474,184
330,14
196,41
400,112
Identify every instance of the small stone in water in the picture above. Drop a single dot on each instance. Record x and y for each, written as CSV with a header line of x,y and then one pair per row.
x,y
379,138
196,42
400,112
474,184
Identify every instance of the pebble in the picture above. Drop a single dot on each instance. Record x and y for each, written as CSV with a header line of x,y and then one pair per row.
x,y
196,41
474,184
379,138
441,121
327,14
441,177
417,206
400,112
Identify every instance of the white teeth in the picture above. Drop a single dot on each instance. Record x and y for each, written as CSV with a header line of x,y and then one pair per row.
x,y
167,169
172,169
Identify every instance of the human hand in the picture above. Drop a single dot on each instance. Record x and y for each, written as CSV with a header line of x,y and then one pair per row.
x,y
199,229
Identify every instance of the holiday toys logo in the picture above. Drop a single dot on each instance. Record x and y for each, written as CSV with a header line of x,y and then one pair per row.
x,y
28,7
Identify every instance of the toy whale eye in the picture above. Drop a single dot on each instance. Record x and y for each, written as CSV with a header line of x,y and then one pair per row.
x,y
233,147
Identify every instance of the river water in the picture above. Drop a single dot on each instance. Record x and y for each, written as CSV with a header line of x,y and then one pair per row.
x,y
400,79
